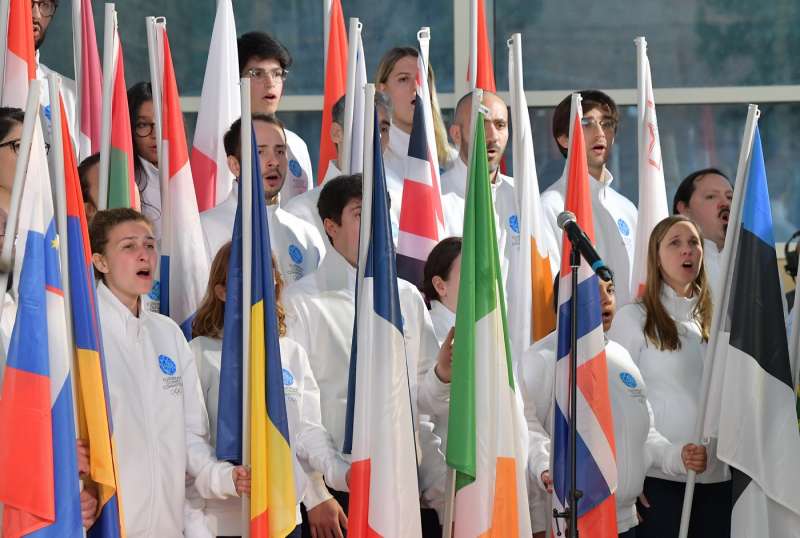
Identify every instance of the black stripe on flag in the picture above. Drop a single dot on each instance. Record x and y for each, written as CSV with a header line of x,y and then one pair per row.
x,y
756,308
739,483
410,269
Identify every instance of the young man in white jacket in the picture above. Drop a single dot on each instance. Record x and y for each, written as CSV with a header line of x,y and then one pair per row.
x,y
160,420
320,311
296,244
614,215
639,446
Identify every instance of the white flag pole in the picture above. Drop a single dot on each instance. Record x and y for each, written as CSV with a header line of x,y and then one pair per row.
x,y
154,52
246,184
368,187
109,51
353,36
4,12
721,309
77,50
326,25
473,44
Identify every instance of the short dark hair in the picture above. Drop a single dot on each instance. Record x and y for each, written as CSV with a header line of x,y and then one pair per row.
x,y
262,46
439,263
591,99
337,112
9,117
336,194
688,185
233,138
103,222
83,176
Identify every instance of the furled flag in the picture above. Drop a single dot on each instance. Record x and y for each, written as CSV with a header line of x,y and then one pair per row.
x,y
94,410
596,452
421,215
480,50
354,103
122,189
486,439
652,190
530,301
38,457
219,108
90,82
272,494
335,83
751,401
20,64
183,264
379,430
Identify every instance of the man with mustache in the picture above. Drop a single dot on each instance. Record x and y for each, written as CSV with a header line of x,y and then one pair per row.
x,y
705,197
614,215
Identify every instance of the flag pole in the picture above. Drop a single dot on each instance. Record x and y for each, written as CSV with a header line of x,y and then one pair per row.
x,y
156,72
326,28
721,309
353,36
109,48
77,50
473,44
5,6
368,184
246,184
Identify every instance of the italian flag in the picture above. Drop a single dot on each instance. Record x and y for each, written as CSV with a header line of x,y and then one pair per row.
x,y
487,431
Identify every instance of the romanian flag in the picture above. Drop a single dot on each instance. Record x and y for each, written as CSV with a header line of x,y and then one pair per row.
x,y
335,83
272,498
94,406
596,452
487,432
91,81
20,66
38,457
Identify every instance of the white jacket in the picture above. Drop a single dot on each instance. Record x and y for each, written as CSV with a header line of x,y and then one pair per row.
x,y
150,194
455,179
712,260
304,206
296,244
300,174
615,220
320,311
160,421
70,94
443,320
673,378
310,443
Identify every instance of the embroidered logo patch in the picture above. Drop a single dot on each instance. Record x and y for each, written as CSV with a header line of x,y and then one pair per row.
x,y
623,227
294,168
155,291
513,223
288,378
628,380
167,365
295,254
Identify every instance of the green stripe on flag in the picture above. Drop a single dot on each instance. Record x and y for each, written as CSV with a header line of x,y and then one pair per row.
x,y
118,180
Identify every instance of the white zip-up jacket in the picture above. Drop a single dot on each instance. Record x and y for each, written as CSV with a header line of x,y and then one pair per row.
x,y
311,445
160,421
443,320
296,244
615,220
147,176
300,174
673,378
320,311
304,206
712,260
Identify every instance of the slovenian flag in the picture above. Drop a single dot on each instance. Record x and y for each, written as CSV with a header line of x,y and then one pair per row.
x,y
95,409
91,82
183,264
379,430
487,432
20,66
38,457
272,496
596,452
335,83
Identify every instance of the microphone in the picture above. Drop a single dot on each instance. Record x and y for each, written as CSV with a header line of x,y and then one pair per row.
x,y
580,241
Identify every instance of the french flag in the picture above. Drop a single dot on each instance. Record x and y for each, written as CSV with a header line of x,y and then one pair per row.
x,y
20,65
38,460
595,448
379,431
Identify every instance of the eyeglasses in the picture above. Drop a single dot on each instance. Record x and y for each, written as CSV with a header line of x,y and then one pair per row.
x,y
16,144
46,7
606,124
275,76
143,128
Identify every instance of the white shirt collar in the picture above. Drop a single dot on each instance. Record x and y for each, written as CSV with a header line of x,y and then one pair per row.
x,y
336,273
680,308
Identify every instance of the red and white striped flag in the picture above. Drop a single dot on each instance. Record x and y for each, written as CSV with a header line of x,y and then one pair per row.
x,y
335,83
652,191
20,61
219,108
480,51
90,84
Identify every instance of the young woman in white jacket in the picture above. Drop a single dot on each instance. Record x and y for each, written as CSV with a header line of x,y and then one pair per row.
x,y
160,420
440,279
311,444
665,333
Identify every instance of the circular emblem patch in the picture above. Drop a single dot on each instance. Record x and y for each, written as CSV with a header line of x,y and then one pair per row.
x,y
155,291
294,168
623,227
513,223
166,364
628,380
295,254
288,378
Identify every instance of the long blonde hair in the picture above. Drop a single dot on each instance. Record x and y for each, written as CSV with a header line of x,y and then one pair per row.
x,y
659,327
385,67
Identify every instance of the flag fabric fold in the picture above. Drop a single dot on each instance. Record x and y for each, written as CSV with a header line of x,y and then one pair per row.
x,y
219,108
484,78
335,84
384,495
595,448
356,126
91,82
486,443
272,497
122,189
20,66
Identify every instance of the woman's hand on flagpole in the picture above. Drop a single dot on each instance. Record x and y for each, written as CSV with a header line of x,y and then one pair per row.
x,y
241,479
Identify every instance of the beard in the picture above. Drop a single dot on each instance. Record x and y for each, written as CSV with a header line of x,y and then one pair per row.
x,y
42,34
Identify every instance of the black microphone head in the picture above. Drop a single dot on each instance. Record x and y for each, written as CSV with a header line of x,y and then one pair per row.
x,y
565,217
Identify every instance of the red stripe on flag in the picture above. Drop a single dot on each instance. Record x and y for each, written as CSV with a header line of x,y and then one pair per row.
x,y
599,519
593,384
423,199
174,131
335,85
485,75
20,34
358,516
204,171
259,526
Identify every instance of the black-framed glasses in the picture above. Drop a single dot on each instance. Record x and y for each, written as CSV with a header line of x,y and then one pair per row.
x,y
46,7
17,143
143,128
275,76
